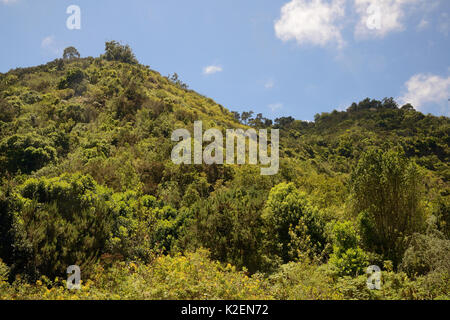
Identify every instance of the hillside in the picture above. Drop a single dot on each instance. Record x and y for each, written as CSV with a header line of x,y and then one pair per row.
x,y
87,179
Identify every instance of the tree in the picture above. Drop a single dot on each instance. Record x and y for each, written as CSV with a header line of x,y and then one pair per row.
x,y
71,53
283,122
174,78
236,116
74,80
28,152
386,192
114,51
246,116
288,218
228,224
63,221
8,111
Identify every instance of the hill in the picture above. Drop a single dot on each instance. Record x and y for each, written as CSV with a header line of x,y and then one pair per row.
x,y
87,179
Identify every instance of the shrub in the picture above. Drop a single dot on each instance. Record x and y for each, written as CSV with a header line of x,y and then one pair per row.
x,y
27,152
228,223
114,51
347,257
285,209
74,80
302,280
427,253
63,221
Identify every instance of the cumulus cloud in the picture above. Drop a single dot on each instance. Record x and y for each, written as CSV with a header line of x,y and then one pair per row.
x,y
426,89
311,22
212,69
387,15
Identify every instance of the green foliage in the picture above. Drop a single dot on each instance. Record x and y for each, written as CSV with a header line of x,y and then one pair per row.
x,y
71,53
74,80
8,110
285,209
229,223
87,178
192,276
347,258
8,206
387,191
303,280
114,51
427,253
64,221
27,153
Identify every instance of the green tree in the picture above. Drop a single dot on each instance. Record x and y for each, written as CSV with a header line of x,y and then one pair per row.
x,y
114,51
386,190
287,211
63,221
70,53
228,223
28,152
74,79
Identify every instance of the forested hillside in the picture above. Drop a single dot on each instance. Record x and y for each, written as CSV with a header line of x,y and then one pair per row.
x,y
87,179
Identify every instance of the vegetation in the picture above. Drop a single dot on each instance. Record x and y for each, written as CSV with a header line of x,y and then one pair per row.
x,y
87,179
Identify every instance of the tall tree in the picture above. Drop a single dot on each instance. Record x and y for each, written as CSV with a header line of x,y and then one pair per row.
x,y
386,192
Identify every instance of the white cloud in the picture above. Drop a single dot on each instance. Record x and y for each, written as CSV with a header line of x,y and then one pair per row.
x,y
8,1
389,13
275,106
49,44
269,84
212,69
311,22
423,24
425,89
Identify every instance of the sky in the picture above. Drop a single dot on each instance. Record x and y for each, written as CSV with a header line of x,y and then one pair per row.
x,y
276,57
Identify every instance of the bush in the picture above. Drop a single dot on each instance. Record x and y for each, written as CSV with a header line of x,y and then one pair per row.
x,y
302,280
427,253
4,273
9,109
142,226
114,51
74,79
228,224
285,209
347,257
27,152
63,221
192,276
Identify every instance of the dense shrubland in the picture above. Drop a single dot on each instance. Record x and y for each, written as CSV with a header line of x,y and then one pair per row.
x,y
86,179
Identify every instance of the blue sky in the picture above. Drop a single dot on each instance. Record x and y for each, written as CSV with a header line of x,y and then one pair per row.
x,y
277,57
